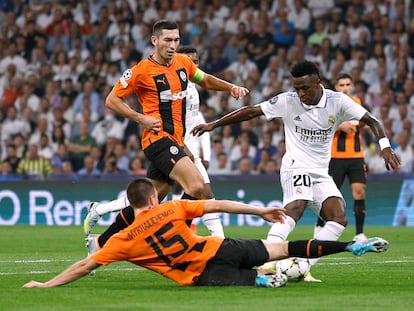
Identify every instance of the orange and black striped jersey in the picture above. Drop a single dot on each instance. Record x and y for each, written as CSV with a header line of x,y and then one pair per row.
x,y
348,145
161,91
160,240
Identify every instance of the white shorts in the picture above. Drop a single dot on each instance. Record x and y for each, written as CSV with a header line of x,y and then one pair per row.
x,y
193,144
313,186
201,168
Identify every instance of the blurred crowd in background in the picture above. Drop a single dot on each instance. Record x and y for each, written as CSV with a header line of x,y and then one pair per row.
x,y
60,59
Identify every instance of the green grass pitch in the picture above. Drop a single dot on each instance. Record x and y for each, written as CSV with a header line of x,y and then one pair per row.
x,y
371,282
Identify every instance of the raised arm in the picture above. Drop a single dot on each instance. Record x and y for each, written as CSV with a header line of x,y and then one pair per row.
x,y
390,157
241,114
272,214
213,83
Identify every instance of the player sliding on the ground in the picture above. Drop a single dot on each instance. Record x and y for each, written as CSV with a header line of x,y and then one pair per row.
x,y
160,240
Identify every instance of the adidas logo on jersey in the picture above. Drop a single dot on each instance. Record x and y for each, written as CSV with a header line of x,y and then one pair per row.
x,y
297,118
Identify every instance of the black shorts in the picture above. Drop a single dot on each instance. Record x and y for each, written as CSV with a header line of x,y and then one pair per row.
x,y
233,264
354,169
163,154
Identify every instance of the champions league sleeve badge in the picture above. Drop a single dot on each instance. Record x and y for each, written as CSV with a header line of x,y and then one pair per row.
x,y
273,100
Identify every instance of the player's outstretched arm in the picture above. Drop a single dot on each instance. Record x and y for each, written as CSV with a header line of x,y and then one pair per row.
x,y
73,273
241,114
272,214
391,159
211,82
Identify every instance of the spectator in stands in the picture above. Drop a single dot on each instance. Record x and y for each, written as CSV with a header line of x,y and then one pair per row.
x,y
12,126
88,168
58,158
261,45
80,146
88,96
136,167
45,150
33,165
108,127
283,31
12,158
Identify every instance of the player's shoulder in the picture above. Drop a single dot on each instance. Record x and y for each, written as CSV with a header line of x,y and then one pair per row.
x,y
333,95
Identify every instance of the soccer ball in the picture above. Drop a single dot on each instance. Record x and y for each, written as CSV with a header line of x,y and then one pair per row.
x,y
294,268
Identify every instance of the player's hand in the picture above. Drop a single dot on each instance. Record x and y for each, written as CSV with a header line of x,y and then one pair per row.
x,y
189,153
348,127
391,159
32,284
238,91
274,214
151,123
202,128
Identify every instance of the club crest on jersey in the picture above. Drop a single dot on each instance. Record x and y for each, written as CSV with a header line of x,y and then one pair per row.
x,y
183,76
331,120
125,76
174,150
273,100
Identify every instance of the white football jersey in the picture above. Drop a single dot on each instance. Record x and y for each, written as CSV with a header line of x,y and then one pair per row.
x,y
196,144
309,130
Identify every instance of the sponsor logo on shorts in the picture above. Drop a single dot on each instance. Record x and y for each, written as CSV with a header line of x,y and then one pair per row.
x,y
174,150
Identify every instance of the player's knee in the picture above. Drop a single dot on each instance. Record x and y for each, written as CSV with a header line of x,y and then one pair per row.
x,y
196,189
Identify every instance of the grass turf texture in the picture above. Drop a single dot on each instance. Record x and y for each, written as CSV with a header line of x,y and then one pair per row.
x,y
371,282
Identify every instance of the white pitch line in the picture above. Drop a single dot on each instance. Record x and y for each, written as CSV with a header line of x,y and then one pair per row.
x,y
46,272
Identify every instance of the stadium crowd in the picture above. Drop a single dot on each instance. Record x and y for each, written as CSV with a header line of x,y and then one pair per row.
x,y
60,59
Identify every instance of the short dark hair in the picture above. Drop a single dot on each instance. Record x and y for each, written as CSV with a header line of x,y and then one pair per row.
x,y
343,75
163,24
305,68
139,191
186,49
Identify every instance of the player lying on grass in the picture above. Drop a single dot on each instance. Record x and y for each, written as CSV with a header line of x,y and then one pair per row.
x,y
160,240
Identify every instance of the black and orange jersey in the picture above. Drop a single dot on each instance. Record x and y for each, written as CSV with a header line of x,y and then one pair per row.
x,y
161,91
348,145
160,240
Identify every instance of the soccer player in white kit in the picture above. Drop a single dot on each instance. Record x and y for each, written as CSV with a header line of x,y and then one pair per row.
x,y
311,116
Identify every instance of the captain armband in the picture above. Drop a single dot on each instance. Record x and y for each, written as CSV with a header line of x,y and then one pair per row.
x,y
198,76
384,143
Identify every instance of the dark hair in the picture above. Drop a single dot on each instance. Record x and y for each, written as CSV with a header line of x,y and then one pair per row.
x,y
304,68
163,24
343,75
139,191
186,49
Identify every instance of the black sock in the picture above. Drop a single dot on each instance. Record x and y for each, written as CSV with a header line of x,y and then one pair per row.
x,y
186,196
123,220
320,222
359,212
315,248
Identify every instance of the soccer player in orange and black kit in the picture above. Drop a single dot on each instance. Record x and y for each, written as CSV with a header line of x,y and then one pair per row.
x,y
160,83
347,159
160,240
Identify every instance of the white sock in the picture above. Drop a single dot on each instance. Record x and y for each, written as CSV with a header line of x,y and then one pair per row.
x,y
213,223
112,206
330,232
279,231
316,230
